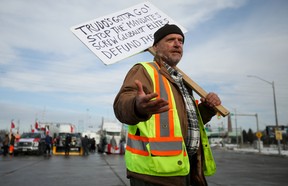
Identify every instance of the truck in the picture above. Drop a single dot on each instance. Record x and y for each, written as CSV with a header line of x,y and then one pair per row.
x,y
75,145
30,142
59,142
107,132
49,128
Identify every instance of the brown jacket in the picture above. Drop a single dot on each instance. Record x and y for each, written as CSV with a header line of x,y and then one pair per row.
x,y
124,110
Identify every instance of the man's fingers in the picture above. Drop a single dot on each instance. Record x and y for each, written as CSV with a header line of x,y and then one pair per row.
x,y
139,86
212,99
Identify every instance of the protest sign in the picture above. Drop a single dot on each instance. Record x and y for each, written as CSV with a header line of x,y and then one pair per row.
x,y
122,34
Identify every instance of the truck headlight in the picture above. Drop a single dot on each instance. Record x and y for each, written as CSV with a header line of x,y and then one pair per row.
x,y
36,144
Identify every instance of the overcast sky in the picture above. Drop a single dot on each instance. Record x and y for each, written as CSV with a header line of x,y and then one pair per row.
x,y
47,74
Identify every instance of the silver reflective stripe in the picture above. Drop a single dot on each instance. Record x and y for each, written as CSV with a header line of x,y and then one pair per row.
x,y
136,144
164,121
166,146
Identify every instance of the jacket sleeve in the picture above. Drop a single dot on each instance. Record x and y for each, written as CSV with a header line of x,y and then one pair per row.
x,y
124,103
206,112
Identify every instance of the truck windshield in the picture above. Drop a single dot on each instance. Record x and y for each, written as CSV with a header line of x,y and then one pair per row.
x,y
31,135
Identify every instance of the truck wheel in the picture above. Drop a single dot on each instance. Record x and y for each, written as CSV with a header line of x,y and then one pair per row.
x,y
40,150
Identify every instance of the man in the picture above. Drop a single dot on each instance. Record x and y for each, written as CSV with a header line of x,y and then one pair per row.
x,y
12,143
103,142
166,138
5,145
85,144
93,145
113,144
67,144
48,142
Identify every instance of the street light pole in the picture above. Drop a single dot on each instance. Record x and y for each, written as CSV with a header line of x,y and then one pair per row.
x,y
275,107
259,141
236,128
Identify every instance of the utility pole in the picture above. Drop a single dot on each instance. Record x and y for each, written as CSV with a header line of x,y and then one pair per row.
x,y
236,127
275,107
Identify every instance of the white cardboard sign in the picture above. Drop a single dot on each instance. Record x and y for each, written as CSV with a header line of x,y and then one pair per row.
x,y
122,34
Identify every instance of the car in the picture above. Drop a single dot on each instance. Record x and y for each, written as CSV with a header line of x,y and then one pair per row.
x,y
30,142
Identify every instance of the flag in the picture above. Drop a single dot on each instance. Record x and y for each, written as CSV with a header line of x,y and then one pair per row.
x,y
12,125
36,125
71,129
47,130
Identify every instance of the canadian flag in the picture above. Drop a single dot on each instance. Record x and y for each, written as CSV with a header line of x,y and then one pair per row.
x,y
47,130
36,125
12,124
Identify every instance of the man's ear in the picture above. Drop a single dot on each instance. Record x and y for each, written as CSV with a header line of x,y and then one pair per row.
x,y
155,47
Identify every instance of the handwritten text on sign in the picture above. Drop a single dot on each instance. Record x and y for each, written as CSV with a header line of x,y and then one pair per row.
x,y
122,34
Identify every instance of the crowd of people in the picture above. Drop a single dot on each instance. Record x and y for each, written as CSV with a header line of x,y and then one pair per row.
x,y
111,146
8,143
89,145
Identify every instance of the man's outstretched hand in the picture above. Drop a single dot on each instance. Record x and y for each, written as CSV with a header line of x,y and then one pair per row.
x,y
148,104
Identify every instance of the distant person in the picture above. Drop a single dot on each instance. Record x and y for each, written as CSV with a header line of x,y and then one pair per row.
x,y
48,142
93,145
67,144
103,143
12,142
5,145
85,145
122,145
113,144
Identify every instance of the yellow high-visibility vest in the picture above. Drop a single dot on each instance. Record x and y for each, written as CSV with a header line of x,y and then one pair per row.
x,y
156,147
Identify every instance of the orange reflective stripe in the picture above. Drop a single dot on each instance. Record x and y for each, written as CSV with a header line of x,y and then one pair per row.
x,y
170,113
165,153
137,151
156,78
157,90
140,138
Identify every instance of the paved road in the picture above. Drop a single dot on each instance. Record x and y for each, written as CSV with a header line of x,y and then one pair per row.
x,y
241,169
234,168
95,169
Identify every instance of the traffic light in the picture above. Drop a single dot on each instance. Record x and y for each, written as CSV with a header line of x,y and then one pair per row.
x,y
218,115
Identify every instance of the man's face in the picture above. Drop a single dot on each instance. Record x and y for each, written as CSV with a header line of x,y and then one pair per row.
x,y
170,49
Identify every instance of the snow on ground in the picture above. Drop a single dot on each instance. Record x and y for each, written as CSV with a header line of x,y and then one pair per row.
x,y
264,150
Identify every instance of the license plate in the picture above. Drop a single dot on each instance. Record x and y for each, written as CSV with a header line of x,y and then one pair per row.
x,y
24,150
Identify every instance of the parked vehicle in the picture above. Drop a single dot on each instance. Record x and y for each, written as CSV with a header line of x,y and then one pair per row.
x,y
107,132
30,142
75,145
